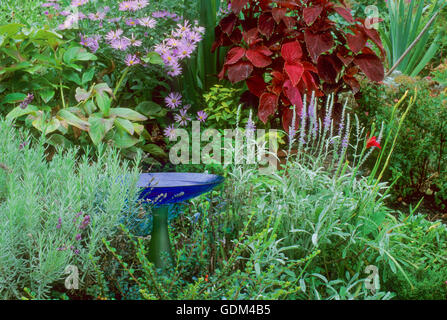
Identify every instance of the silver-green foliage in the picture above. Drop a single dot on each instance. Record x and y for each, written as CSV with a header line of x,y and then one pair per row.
x,y
35,246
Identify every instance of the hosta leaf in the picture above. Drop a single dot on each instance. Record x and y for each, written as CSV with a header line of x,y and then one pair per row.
x,y
49,127
59,140
97,130
82,95
46,95
123,140
88,76
128,114
14,97
73,120
18,112
148,108
139,128
103,102
155,150
125,125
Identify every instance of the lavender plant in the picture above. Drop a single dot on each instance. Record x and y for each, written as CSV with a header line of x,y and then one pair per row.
x,y
54,214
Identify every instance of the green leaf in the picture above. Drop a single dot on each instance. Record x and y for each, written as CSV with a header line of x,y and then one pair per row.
x,y
74,120
47,95
148,108
59,140
73,76
97,130
128,114
103,102
11,29
78,54
81,95
88,76
18,112
153,58
155,150
48,127
123,140
14,97
125,125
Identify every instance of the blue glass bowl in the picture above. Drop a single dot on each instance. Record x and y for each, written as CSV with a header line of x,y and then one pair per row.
x,y
175,187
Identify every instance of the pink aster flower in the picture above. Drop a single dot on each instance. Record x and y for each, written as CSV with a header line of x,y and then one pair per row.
x,y
132,60
182,117
114,35
175,71
127,6
131,22
170,132
140,4
202,116
120,44
135,42
169,59
173,100
147,22
160,14
78,3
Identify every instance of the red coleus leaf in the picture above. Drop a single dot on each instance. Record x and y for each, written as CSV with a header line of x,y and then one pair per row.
x,y
290,22
375,37
345,13
352,82
310,83
251,36
227,23
356,41
293,94
317,43
294,71
256,85
268,104
234,55
257,58
327,69
371,65
372,142
291,51
238,5
344,55
310,14
287,113
266,24
279,14
239,71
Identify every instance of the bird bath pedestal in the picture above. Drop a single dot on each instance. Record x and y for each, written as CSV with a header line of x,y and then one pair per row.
x,y
162,189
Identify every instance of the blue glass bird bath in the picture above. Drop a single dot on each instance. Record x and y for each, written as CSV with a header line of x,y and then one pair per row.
x,y
163,189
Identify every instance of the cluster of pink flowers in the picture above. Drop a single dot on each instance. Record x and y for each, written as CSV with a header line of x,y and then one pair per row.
x,y
180,45
174,102
133,5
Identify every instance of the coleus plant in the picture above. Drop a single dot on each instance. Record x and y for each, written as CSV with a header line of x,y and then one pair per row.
x,y
285,49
